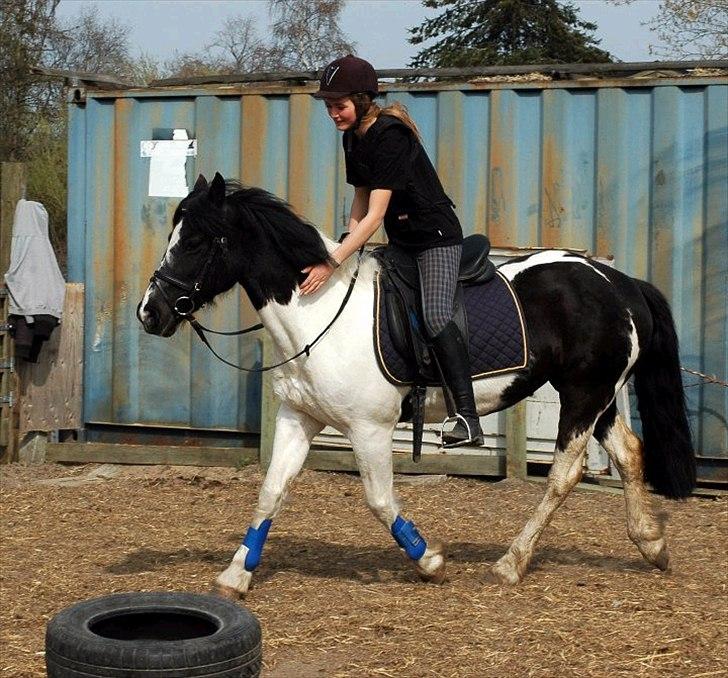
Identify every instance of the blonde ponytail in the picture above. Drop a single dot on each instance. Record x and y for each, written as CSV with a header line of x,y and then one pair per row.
x,y
399,111
373,111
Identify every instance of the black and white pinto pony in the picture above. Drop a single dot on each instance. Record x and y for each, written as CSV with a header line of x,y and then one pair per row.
x,y
590,328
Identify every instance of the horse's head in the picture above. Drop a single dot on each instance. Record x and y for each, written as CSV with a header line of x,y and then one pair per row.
x,y
195,268
224,234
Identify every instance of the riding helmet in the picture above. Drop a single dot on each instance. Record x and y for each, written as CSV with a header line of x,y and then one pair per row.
x,y
345,76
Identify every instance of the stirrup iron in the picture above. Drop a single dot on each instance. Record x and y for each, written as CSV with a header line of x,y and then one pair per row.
x,y
448,420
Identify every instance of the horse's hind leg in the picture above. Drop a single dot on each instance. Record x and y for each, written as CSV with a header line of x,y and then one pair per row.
x,y
645,529
579,412
292,440
372,446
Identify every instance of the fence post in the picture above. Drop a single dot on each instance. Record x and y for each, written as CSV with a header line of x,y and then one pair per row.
x,y
516,441
12,189
268,406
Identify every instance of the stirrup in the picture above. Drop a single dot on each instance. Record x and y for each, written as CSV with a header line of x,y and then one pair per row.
x,y
459,443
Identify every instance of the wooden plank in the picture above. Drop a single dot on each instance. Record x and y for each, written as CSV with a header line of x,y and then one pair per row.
x,y
449,463
12,188
268,407
176,455
7,374
50,390
516,441
13,177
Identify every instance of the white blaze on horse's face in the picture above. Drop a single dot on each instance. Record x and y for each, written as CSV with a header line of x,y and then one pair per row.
x,y
173,240
143,312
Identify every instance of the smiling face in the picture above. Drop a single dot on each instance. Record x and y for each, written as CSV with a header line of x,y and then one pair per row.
x,y
342,112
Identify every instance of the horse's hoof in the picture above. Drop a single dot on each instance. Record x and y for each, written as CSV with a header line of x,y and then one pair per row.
x,y
227,592
662,561
655,553
504,572
233,582
431,567
436,576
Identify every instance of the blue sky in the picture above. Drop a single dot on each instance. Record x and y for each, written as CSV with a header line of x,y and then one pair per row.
x,y
378,27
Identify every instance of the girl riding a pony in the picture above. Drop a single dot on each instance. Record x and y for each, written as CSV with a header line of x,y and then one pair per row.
x,y
395,182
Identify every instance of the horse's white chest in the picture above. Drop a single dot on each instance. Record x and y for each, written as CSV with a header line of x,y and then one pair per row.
x,y
291,387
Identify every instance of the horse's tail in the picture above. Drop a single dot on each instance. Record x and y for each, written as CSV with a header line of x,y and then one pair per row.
x,y
668,451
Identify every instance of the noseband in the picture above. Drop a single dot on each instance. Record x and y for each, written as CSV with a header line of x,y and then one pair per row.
x,y
184,305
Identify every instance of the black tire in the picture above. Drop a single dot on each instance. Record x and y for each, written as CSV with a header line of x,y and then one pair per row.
x,y
154,635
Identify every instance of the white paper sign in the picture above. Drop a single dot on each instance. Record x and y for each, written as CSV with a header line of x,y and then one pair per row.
x,y
168,158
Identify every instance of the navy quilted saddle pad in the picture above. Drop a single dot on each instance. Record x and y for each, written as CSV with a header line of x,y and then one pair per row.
x,y
496,329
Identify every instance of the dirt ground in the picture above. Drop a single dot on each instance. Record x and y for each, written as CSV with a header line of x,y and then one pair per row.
x,y
334,595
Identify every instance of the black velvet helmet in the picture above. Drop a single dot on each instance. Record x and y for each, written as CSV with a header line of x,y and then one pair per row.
x,y
345,76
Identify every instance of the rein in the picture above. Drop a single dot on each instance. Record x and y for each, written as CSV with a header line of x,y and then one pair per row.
x,y
184,307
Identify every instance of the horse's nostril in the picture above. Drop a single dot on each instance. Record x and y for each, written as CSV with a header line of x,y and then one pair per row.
x,y
148,318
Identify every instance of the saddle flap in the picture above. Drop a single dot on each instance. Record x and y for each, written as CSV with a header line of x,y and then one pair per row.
x,y
475,267
490,318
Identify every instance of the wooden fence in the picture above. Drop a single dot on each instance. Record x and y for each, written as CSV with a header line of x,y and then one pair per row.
x,y
12,189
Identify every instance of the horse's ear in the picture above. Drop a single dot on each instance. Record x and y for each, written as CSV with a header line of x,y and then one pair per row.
x,y
216,194
200,183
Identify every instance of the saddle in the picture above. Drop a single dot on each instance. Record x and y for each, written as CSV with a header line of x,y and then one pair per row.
x,y
486,311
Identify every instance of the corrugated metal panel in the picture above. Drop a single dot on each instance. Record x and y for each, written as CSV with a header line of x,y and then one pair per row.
x,y
638,170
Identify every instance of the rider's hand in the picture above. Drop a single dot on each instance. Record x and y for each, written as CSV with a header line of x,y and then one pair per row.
x,y
317,276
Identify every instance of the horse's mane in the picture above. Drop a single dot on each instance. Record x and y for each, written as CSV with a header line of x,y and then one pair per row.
x,y
298,241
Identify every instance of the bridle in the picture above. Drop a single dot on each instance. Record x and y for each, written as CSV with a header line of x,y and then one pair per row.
x,y
184,305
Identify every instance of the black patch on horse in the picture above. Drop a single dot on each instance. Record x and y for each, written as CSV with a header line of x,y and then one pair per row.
x,y
269,243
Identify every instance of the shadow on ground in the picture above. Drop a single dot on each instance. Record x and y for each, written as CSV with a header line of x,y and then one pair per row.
x,y
317,558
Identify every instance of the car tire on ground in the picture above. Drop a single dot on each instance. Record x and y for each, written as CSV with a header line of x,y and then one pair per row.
x,y
155,635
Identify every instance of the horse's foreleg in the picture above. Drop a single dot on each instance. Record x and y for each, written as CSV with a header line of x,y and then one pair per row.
x,y
373,451
293,434
625,450
576,423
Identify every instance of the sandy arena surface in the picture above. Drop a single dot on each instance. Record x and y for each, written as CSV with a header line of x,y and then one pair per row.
x,y
334,595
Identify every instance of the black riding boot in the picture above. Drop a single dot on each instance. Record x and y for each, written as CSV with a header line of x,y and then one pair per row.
x,y
452,355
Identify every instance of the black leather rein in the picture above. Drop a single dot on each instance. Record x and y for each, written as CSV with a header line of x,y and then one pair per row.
x,y
184,307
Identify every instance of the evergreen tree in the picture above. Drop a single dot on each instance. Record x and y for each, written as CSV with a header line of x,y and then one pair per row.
x,y
495,32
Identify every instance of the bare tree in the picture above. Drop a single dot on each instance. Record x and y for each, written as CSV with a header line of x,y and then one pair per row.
x,y
89,43
306,33
26,30
239,41
144,68
236,48
689,29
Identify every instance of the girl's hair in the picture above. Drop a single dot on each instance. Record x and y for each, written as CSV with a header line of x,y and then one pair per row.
x,y
368,111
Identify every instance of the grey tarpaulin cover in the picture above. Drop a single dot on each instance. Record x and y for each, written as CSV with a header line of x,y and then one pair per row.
x,y
35,282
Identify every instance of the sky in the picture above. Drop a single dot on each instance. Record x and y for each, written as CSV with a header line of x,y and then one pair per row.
x,y
378,27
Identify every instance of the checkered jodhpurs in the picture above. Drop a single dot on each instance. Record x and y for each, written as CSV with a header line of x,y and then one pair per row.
x,y
438,268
